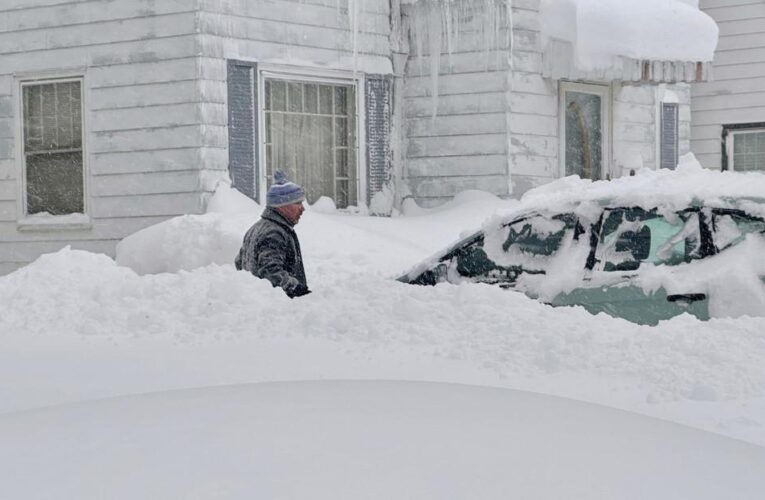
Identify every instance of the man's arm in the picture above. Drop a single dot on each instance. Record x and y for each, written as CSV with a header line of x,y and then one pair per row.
x,y
270,261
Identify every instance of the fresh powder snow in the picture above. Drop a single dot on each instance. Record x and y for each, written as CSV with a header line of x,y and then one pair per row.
x,y
172,312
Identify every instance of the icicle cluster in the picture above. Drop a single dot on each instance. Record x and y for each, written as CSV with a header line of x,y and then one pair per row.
x,y
439,23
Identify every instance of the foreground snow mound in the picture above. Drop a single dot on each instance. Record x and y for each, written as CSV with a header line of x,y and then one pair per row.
x,y
371,440
76,294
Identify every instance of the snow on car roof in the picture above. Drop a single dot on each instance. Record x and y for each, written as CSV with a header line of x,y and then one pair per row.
x,y
688,185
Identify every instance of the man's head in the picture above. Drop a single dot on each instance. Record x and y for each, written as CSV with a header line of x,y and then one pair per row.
x,y
286,197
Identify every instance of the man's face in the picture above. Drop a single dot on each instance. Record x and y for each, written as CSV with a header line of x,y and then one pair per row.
x,y
292,212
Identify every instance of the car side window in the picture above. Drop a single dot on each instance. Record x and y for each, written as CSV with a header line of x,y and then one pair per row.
x,y
730,228
538,235
633,236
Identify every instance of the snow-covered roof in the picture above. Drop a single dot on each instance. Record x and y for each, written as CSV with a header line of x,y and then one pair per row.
x,y
646,40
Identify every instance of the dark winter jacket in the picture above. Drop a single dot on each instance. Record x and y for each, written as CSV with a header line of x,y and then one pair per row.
x,y
271,251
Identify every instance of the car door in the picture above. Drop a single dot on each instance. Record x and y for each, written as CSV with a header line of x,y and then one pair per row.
x,y
631,238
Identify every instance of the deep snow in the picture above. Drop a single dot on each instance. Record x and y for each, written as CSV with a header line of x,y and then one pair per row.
x,y
371,440
77,326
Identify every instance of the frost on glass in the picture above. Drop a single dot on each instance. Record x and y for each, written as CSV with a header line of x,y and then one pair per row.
x,y
310,134
53,148
731,229
632,236
749,151
584,141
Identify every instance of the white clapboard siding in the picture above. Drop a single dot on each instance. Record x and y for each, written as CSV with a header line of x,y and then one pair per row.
x,y
467,145
455,166
101,229
459,125
147,115
736,93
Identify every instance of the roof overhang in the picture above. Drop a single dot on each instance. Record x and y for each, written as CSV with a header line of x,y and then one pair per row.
x,y
655,41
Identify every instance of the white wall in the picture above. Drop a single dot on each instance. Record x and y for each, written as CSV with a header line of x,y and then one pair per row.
x,y
144,130
736,93
465,146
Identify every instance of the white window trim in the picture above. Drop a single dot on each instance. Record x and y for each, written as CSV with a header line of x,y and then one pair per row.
x,y
729,143
25,222
314,75
602,90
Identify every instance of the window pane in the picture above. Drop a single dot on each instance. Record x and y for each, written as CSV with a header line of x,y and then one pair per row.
x,y
584,140
341,101
311,98
749,151
52,117
278,100
341,131
54,183
632,236
325,100
294,97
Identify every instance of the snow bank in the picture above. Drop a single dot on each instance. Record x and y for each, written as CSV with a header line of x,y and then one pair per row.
x,y
371,440
657,30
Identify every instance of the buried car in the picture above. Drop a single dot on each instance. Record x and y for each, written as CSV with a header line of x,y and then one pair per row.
x,y
641,262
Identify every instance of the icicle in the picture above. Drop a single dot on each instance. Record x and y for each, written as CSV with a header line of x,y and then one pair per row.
x,y
440,22
435,35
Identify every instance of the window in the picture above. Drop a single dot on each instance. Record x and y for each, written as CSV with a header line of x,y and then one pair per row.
x,y
632,236
669,135
584,129
310,133
52,146
744,147
730,227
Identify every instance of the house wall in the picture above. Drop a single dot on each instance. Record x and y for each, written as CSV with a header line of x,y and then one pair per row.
x,y
636,121
465,144
143,122
736,93
533,106
313,34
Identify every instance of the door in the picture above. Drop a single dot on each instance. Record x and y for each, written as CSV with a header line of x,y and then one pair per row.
x,y
629,239
584,130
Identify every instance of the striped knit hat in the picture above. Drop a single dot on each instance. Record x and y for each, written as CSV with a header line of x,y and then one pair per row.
x,y
283,192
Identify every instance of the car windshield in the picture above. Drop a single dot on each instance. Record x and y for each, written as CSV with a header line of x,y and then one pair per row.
x,y
730,227
630,237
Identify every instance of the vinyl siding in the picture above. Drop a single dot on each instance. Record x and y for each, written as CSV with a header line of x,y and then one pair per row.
x,y
144,126
736,93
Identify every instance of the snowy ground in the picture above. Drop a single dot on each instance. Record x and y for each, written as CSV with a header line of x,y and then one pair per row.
x,y
371,440
76,326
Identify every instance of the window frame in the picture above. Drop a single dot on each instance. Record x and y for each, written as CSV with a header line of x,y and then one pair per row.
x,y
33,222
729,134
602,90
318,76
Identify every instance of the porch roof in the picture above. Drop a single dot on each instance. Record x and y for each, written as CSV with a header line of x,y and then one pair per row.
x,y
649,40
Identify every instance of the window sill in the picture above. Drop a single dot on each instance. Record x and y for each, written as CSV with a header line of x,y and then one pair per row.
x,y
73,222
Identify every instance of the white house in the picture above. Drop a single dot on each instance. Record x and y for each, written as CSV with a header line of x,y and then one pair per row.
x,y
729,112
117,114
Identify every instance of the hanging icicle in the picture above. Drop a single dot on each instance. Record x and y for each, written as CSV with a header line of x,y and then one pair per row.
x,y
442,24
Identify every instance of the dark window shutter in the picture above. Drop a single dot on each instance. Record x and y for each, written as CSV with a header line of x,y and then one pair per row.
x,y
379,104
669,153
243,126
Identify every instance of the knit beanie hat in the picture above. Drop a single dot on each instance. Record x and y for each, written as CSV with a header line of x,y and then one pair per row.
x,y
283,192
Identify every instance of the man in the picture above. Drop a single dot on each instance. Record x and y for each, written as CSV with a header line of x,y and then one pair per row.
x,y
270,249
